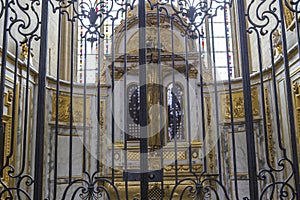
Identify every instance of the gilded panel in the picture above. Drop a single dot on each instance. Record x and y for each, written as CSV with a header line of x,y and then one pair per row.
x,y
9,141
210,137
238,104
271,146
64,108
102,120
296,87
289,17
7,146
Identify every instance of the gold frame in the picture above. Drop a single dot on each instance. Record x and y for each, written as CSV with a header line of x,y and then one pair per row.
x,y
296,88
289,17
63,111
269,127
8,140
238,104
7,121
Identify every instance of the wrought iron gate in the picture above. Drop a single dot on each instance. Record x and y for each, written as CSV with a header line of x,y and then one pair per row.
x,y
149,99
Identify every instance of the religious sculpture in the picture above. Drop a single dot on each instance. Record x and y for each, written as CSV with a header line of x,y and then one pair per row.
x,y
277,43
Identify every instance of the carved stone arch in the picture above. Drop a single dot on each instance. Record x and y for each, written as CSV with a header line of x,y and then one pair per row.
x,y
151,21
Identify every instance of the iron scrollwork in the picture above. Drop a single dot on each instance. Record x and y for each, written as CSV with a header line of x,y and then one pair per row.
x,y
91,15
200,189
21,25
93,188
8,192
265,20
284,188
192,14
292,5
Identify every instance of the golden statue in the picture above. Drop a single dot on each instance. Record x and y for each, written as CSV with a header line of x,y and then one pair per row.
x,y
154,107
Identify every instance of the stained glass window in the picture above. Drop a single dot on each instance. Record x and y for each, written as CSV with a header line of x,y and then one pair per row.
x,y
216,44
88,51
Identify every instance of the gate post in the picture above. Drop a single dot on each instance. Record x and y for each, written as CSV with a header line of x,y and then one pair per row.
x,y
143,100
252,171
39,146
2,84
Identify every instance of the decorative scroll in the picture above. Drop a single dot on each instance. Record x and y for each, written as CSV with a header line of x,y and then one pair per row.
x,y
192,14
284,186
208,188
64,108
91,15
238,104
92,188
25,13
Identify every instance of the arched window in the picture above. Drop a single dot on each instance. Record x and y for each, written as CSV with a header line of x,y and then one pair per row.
x,y
175,118
133,127
175,112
